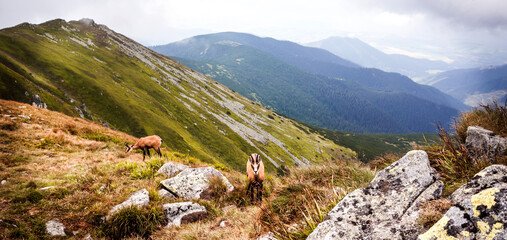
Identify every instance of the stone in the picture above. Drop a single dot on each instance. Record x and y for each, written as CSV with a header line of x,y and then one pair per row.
x,y
46,188
88,237
4,182
55,228
388,207
482,143
223,224
267,236
140,198
37,102
171,169
166,194
183,212
192,183
479,209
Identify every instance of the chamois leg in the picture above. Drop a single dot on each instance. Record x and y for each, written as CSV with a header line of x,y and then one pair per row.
x,y
144,153
259,191
250,190
148,152
158,151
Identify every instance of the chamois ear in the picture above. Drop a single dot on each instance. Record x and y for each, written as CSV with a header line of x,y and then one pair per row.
x,y
128,147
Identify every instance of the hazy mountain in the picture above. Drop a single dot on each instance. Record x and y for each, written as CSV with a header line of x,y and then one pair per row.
x,y
360,52
473,86
313,60
313,98
87,70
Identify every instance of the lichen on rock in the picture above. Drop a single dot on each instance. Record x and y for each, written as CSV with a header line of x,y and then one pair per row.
x,y
388,207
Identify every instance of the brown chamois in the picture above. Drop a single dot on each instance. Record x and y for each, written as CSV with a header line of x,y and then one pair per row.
x,y
145,144
255,173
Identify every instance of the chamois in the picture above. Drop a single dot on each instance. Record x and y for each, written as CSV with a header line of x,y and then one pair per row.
x,y
145,144
255,173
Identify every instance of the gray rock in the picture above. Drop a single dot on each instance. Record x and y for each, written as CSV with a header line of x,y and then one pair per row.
x,y
166,194
88,237
183,212
139,198
171,169
192,183
4,182
46,188
482,143
267,236
479,209
55,228
37,101
388,206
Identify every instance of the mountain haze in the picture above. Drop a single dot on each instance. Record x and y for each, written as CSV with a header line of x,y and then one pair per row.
x,y
87,70
318,91
362,53
473,86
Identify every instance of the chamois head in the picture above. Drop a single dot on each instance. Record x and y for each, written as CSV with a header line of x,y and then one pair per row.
x,y
129,148
255,162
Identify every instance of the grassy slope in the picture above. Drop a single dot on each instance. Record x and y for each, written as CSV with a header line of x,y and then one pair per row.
x,y
90,173
113,80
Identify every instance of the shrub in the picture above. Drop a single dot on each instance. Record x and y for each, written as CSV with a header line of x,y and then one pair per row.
x,y
133,221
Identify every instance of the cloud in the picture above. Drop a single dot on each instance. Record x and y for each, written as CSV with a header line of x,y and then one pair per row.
x,y
487,14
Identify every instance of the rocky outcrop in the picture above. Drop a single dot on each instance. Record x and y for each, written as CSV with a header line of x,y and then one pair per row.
x,y
55,228
479,209
388,207
484,144
139,198
183,212
192,183
171,169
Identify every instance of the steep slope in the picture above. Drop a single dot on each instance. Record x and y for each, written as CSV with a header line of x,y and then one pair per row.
x,y
473,86
87,70
315,99
313,60
360,52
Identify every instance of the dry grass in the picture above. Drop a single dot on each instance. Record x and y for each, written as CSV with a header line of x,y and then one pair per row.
x,y
306,195
432,211
451,158
91,173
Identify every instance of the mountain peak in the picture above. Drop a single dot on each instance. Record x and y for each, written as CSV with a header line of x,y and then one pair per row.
x,y
87,21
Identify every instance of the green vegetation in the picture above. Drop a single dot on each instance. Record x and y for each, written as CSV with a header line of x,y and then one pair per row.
x,y
371,146
134,221
91,72
305,84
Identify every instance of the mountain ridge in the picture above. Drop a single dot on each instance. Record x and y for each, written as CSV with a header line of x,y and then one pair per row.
x,y
244,68
86,69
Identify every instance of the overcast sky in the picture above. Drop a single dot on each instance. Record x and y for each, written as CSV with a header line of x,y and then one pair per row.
x,y
422,28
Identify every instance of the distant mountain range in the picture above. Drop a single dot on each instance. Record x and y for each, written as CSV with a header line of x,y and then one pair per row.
x,y
314,85
87,70
365,55
473,86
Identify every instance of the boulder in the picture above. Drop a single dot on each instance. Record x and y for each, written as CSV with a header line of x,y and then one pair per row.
x,y
171,169
482,143
192,183
166,194
55,228
183,212
388,207
479,209
139,198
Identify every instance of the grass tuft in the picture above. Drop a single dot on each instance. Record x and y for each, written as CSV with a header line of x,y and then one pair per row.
x,y
134,222
451,158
